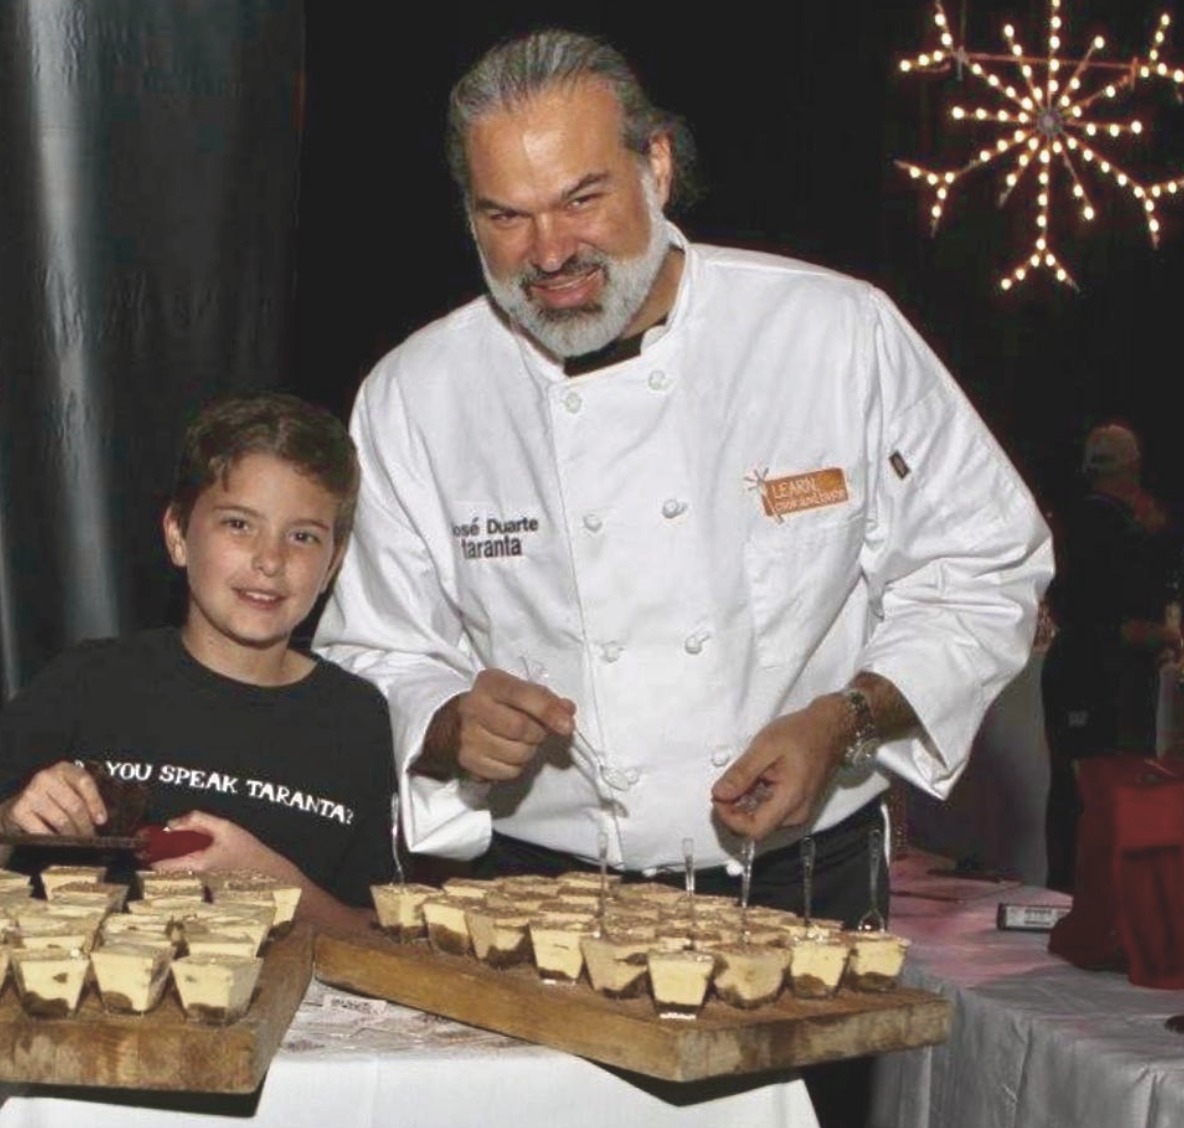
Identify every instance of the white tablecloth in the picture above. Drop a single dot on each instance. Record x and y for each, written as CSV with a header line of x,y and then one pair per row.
x,y
349,1062
1035,1041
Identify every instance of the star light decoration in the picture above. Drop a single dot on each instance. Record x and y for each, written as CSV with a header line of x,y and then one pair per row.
x,y
1048,129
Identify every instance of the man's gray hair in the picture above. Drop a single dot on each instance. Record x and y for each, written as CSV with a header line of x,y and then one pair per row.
x,y
517,70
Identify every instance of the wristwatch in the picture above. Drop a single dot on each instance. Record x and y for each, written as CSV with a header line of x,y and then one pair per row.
x,y
862,749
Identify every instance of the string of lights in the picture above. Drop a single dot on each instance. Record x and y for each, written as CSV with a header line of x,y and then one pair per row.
x,y
1051,135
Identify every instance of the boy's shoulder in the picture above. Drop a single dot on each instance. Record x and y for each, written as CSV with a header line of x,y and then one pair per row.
x,y
108,655
336,680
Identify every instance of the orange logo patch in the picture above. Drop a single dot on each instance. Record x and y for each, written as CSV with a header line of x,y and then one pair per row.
x,y
781,496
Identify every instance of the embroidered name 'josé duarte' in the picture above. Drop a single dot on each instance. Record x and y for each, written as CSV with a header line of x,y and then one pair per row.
x,y
262,790
489,537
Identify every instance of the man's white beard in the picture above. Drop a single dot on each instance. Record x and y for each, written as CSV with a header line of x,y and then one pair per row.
x,y
584,329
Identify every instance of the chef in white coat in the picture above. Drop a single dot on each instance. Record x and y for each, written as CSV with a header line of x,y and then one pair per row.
x,y
663,546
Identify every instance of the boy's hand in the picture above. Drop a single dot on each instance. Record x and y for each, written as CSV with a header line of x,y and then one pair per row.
x,y
60,799
231,847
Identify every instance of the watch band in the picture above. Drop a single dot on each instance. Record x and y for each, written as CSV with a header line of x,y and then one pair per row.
x,y
862,749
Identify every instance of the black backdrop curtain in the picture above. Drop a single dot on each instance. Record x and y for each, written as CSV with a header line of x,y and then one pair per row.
x,y
148,183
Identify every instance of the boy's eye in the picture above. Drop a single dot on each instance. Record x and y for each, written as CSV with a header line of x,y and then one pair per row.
x,y
236,523
307,536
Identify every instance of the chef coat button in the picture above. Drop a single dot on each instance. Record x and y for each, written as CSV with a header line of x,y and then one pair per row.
x,y
592,522
694,643
720,757
632,775
672,507
658,380
573,401
734,868
616,779
610,651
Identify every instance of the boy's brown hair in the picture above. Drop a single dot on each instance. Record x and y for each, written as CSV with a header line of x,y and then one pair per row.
x,y
309,438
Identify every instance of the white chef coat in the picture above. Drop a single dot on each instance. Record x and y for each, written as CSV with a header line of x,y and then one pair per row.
x,y
783,488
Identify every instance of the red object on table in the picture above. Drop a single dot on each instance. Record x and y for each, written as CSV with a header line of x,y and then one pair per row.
x,y
162,843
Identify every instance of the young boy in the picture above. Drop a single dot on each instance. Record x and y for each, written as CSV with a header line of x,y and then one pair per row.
x,y
283,760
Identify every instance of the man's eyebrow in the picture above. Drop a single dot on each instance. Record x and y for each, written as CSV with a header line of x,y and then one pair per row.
x,y
590,180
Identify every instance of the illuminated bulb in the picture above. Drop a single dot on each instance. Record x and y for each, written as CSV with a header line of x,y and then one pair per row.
x,y
1005,284
1054,42
957,113
1021,273
1035,260
1099,43
1110,91
923,60
980,113
905,66
1153,226
1001,146
1144,72
1041,243
1042,199
1008,30
1115,130
1010,91
939,18
942,193
950,177
1042,220
1049,261
1078,191
932,178
935,211
1149,206
914,172
1104,166
1162,69
1061,275
1122,179
984,156
1088,214
1012,179
1090,129
1178,76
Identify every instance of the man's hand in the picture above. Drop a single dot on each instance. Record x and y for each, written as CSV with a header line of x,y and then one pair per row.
x,y
493,731
790,762
60,799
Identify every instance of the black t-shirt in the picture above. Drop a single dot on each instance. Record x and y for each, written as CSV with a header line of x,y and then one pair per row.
x,y
307,768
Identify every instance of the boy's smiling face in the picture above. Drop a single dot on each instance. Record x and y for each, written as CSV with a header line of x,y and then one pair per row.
x,y
258,550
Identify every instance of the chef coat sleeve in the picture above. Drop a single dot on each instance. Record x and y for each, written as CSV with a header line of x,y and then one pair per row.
x,y
956,557
390,620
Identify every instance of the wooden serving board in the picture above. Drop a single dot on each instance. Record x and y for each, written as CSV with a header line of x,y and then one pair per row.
x,y
161,1049
627,1033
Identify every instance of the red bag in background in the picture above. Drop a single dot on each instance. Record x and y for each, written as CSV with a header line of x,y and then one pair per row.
x,y
1128,897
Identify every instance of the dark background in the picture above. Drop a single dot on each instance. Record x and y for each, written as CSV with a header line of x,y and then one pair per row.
x,y
799,113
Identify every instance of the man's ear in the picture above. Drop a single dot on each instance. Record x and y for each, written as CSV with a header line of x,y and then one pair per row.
x,y
174,538
661,162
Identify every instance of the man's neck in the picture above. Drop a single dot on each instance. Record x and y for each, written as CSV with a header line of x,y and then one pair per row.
x,y
660,300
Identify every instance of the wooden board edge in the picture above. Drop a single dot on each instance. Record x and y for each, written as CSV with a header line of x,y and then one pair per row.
x,y
134,1054
668,1051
